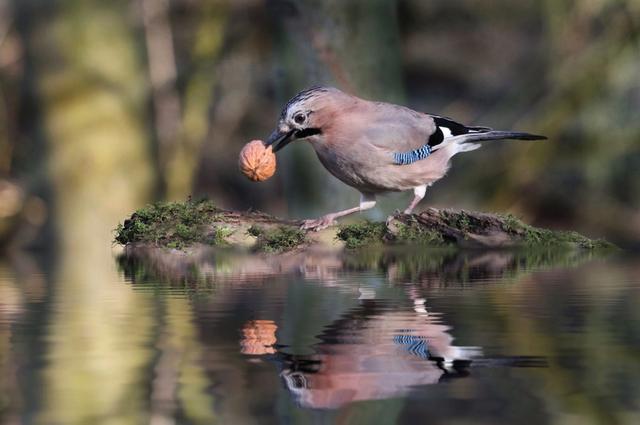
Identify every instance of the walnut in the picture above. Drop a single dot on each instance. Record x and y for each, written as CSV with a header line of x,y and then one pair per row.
x,y
258,337
257,161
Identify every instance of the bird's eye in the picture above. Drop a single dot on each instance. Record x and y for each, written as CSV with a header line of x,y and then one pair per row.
x,y
299,118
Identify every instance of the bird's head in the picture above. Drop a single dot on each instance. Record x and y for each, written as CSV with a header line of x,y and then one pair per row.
x,y
303,116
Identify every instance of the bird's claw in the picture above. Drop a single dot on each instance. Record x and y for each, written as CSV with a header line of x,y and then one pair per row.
x,y
319,223
389,219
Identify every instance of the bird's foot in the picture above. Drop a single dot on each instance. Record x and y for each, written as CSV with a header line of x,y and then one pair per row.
x,y
319,223
392,216
389,219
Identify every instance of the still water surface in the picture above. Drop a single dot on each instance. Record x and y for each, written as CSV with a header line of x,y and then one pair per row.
x,y
408,336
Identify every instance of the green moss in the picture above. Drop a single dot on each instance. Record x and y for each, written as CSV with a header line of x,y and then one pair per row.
x,y
413,232
462,221
173,225
220,235
359,234
543,237
533,236
511,223
278,239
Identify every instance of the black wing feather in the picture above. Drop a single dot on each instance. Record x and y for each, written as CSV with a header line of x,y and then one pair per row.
x,y
454,127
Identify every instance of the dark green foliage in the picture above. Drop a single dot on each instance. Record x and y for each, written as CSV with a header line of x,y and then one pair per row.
x,y
277,239
173,225
359,234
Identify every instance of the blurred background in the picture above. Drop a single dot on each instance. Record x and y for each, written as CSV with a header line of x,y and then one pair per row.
x,y
108,105
105,106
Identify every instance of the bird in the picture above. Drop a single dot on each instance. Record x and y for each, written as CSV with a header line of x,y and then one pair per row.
x,y
376,147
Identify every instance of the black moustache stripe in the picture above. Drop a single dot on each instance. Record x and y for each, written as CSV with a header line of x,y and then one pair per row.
x,y
301,134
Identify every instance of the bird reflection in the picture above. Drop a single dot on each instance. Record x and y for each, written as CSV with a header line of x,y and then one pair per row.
x,y
372,353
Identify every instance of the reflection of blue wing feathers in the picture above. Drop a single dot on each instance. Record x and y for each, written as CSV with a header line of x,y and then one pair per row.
x,y
415,345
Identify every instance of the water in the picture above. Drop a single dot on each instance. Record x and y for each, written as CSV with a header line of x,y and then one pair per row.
x,y
404,336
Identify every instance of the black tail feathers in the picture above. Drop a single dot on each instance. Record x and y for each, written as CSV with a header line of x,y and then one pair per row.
x,y
500,135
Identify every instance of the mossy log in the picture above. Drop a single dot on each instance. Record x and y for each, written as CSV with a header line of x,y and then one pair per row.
x,y
196,223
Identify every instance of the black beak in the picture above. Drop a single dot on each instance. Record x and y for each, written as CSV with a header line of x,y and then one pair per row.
x,y
280,140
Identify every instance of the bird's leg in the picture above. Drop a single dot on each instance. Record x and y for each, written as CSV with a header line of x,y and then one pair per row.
x,y
418,194
367,201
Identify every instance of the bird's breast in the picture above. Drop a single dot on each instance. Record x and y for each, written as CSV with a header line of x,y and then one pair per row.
x,y
344,166
373,170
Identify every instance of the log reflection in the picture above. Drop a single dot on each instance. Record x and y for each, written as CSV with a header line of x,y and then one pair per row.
x,y
428,267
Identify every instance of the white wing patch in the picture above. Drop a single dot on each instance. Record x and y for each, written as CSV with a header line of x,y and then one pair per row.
x,y
446,131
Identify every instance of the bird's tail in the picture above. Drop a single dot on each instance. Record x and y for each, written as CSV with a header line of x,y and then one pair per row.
x,y
471,140
481,136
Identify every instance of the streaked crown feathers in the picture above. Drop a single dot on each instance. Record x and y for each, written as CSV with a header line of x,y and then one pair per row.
x,y
298,101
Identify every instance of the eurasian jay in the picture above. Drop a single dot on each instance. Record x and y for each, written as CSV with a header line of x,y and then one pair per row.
x,y
376,147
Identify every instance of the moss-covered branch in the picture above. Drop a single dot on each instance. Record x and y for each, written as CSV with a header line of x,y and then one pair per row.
x,y
182,225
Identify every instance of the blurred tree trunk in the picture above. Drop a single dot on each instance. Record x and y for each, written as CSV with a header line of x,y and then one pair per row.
x,y
202,52
11,65
89,80
23,182
92,89
162,80
238,104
